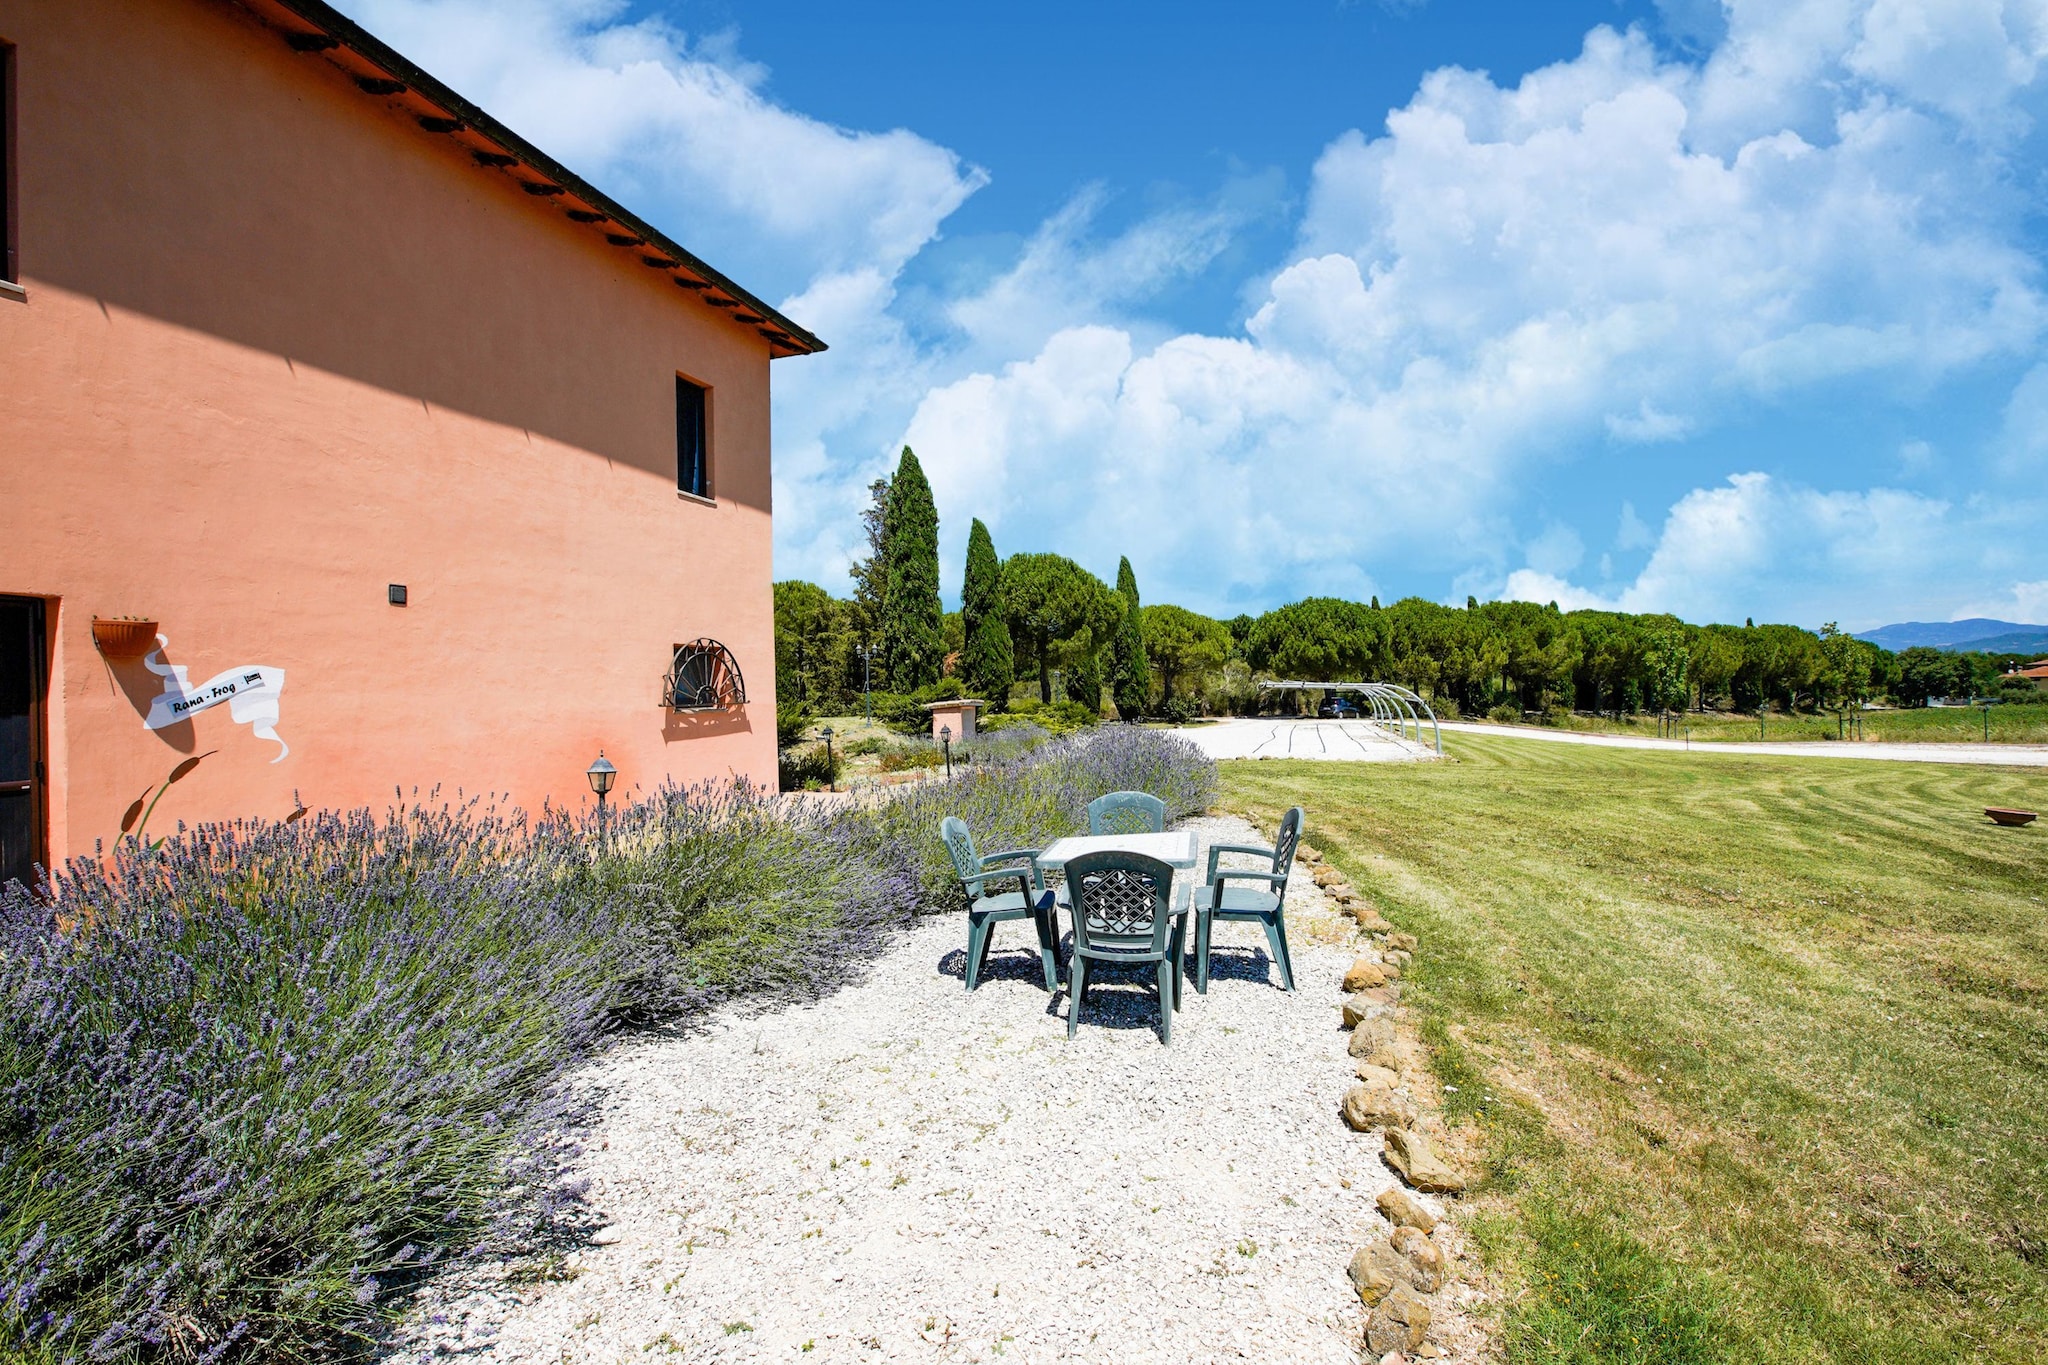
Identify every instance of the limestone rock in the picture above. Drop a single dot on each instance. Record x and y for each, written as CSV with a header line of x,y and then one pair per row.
x,y
1368,1106
1308,853
1403,1209
1373,1040
1399,956
1377,1075
1362,1006
1405,942
1376,1271
1399,1323
1380,995
1425,1262
1410,1155
1391,971
1369,918
1364,974
1324,875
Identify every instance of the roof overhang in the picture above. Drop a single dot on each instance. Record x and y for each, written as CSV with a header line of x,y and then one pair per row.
x,y
318,29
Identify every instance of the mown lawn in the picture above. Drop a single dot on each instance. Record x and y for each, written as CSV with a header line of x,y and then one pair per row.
x,y
1757,1048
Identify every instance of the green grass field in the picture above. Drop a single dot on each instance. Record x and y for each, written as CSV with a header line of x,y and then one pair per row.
x,y
1757,1049
2010,724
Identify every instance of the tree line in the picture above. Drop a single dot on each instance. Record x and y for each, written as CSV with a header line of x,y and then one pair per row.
x,y
1035,618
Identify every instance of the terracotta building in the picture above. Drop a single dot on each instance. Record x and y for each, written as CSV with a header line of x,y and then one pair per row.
x,y
350,442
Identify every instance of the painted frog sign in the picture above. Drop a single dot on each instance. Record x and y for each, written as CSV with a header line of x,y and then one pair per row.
x,y
251,693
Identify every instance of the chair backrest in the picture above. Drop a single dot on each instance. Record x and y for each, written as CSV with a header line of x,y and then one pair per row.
x,y
1127,813
1123,903
960,844
1284,844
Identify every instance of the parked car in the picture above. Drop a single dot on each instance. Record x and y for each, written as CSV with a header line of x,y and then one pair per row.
x,y
1338,706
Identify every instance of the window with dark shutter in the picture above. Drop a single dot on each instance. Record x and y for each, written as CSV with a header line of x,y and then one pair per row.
x,y
693,454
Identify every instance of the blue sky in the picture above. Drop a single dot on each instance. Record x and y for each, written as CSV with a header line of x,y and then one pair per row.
x,y
1729,310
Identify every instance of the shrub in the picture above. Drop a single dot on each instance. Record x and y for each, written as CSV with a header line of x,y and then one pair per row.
x,y
1012,741
811,766
907,757
1506,713
792,718
249,1078
1058,718
1179,711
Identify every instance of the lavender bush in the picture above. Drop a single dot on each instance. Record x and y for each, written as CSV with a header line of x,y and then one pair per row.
x,y
251,1080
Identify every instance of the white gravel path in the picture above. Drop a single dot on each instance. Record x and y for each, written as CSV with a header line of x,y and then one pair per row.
x,y
906,1171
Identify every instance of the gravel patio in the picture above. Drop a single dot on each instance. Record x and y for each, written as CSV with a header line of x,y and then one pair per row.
x,y
905,1171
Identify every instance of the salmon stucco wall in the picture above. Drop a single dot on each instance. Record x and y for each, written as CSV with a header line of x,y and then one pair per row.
x,y
280,349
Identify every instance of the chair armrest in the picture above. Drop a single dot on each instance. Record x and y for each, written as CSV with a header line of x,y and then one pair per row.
x,y
990,860
1218,850
1026,879
1030,855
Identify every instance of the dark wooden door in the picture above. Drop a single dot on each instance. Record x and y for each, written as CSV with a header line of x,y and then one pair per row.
x,y
22,773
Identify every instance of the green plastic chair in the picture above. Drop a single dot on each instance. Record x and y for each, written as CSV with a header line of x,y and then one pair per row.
x,y
1261,903
986,909
1126,813
1126,910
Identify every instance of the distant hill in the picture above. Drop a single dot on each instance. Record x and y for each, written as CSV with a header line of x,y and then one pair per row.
x,y
2033,641
1977,633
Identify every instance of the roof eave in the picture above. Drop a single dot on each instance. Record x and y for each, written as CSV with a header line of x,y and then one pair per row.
x,y
326,29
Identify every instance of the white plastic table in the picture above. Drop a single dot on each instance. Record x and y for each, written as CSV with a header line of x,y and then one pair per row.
x,y
1176,848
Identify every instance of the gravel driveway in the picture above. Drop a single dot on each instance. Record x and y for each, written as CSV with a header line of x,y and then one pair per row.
x,y
909,1172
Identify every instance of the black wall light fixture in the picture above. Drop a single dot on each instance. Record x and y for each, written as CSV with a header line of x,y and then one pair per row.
x,y
395,594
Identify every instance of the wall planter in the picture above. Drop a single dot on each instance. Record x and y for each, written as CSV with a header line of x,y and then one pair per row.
x,y
123,637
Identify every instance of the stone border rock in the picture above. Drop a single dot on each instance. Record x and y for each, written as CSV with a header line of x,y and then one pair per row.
x,y
1397,1275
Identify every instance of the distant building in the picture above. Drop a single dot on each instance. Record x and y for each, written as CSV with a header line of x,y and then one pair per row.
x,y
430,463
2037,670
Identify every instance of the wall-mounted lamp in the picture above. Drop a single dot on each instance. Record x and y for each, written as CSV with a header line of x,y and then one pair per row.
x,y
395,594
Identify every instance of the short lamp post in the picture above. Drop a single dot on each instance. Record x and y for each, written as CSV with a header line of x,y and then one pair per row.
x,y
1987,719
826,735
601,774
946,741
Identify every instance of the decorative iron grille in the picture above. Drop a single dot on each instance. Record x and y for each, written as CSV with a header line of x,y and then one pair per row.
x,y
703,676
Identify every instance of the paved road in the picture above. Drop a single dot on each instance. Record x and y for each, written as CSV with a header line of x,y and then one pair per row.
x,y
1361,742
2016,755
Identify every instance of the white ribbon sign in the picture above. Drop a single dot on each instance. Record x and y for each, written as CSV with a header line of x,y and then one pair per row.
x,y
251,695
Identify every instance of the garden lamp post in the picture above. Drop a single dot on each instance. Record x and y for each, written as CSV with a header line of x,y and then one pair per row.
x,y
826,735
601,774
946,741
1986,702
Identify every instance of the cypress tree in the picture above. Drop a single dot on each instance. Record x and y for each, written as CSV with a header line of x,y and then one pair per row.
x,y
1131,686
913,632
988,664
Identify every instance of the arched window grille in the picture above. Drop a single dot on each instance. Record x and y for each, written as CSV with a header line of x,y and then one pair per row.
x,y
703,676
